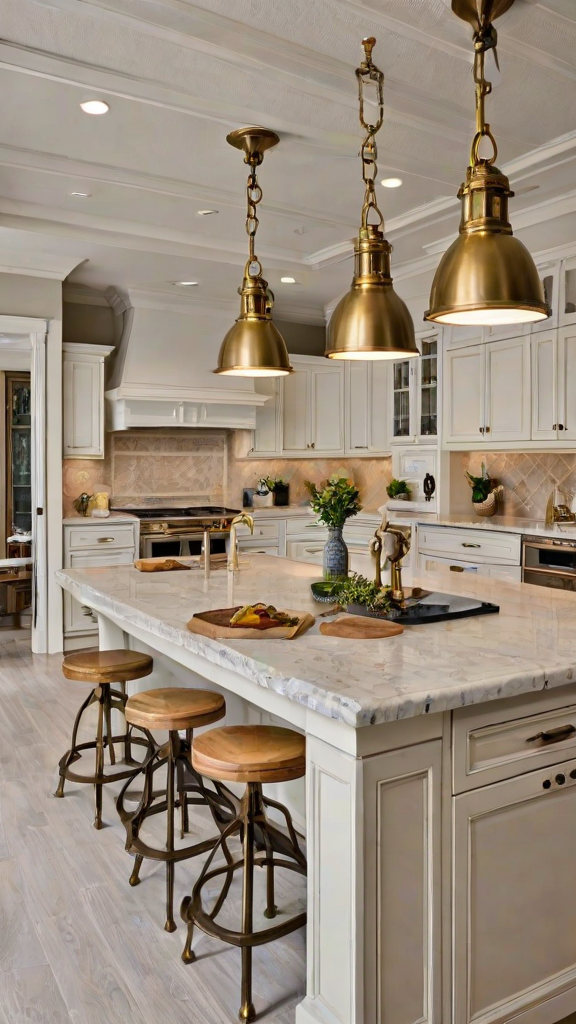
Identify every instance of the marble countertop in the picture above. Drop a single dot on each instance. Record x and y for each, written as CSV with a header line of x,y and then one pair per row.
x,y
509,524
529,646
114,517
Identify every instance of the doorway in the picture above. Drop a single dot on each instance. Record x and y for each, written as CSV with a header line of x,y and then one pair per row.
x,y
23,605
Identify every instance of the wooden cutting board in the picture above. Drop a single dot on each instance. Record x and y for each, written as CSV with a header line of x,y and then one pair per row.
x,y
216,625
360,627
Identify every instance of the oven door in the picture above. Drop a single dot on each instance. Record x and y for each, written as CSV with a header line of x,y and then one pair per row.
x,y
549,565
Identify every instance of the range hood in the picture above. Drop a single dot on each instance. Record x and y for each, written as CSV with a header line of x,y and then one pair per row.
x,y
160,374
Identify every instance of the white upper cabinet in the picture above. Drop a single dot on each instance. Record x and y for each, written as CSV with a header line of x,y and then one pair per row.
x,y
487,392
464,389
544,387
549,274
567,383
414,394
83,400
313,408
267,439
366,404
508,390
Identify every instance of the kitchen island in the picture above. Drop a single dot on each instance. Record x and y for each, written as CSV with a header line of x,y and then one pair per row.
x,y
441,801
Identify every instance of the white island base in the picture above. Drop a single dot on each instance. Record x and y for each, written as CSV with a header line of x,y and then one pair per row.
x,y
441,838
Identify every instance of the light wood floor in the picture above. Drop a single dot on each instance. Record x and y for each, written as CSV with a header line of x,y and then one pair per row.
x,y
77,944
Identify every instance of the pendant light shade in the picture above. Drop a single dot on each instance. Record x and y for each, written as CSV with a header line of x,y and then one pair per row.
x,y
371,321
253,347
487,276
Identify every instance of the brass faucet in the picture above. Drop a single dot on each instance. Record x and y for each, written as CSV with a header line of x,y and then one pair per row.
x,y
243,519
396,544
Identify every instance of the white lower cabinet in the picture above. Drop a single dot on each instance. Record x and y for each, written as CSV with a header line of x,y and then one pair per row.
x,y
94,542
514,899
402,841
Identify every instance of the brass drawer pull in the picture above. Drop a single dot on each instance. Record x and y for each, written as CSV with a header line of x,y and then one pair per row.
x,y
466,544
313,551
553,735
105,540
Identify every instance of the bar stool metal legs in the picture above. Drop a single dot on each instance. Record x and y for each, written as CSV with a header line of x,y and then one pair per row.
x,y
254,755
104,669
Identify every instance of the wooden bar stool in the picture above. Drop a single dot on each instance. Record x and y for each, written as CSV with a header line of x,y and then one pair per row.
x,y
172,709
102,669
253,754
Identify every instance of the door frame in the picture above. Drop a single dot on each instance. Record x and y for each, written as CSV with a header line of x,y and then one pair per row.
x,y
37,329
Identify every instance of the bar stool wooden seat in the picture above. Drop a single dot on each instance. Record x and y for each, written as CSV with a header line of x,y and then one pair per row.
x,y
171,709
102,669
253,754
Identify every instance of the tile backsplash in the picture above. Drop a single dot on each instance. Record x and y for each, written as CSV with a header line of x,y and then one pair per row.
x,y
208,466
528,477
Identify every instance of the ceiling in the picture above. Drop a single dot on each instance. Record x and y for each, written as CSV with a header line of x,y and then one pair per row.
x,y
178,76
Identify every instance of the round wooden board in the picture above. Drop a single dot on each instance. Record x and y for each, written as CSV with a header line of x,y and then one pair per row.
x,y
360,627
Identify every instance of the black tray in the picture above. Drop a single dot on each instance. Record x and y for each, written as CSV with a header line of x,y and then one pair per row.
x,y
436,607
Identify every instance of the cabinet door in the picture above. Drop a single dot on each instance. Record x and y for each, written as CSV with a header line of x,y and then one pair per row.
x,y
464,393
514,898
296,412
266,434
549,274
545,418
327,408
402,391
366,396
508,390
75,620
427,388
567,384
402,807
83,412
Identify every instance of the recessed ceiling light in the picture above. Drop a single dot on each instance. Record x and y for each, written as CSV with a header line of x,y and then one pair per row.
x,y
288,280
82,195
95,107
185,284
206,213
391,182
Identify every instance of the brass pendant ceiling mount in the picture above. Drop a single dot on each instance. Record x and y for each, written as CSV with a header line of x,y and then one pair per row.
x,y
371,321
253,347
487,276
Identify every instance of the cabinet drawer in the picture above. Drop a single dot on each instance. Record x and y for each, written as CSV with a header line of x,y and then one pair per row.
x,y
306,550
302,524
262,531
100,537
470,545
497,744
511,573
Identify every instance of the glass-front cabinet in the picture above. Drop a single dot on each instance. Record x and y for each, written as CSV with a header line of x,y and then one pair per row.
x,y
415,394
18,454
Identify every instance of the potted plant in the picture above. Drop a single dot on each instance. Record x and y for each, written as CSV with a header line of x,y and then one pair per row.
x,y
485,492
398,489
335,501
280,490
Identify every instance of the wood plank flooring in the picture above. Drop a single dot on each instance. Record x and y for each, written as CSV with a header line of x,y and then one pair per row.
x,y
77,944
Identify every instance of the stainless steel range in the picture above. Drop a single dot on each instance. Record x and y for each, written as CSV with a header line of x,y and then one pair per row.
x,y
176,532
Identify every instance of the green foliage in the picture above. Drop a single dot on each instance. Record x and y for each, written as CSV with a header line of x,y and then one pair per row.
x,y
396,487
272,482
481,486
334,501
356,589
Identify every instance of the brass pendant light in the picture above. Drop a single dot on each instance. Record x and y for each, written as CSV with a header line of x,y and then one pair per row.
x,y
487,276
254,347
371,321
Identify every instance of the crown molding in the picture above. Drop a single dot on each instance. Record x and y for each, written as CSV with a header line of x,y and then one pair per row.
x,y
82,295
36,264
123,299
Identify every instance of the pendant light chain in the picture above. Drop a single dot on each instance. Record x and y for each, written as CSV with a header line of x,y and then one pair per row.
x,y
369,151
253,197
485,39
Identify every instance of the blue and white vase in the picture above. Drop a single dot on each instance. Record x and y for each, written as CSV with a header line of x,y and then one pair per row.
x,y
335,557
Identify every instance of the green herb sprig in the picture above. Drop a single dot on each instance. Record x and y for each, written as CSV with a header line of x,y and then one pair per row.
x,y
356,589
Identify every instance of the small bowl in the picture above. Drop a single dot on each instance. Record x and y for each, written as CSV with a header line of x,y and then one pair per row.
x,y
323,591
